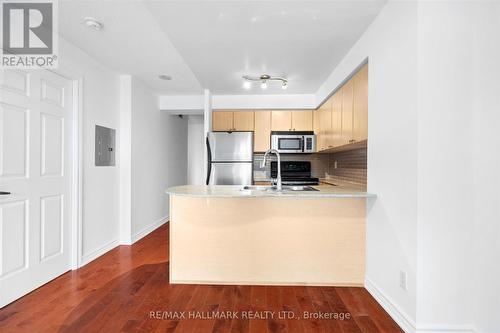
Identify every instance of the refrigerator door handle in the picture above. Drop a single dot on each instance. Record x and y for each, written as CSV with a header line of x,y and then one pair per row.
x,y
209,161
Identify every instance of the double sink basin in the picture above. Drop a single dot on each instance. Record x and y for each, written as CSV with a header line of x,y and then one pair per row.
x,y
285,188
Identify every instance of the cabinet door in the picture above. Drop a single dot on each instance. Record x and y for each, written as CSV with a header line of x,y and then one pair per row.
x,y
316,121
336,132
262,132
243,120
281,120
302,120
360,118
222,121
326,124
347,112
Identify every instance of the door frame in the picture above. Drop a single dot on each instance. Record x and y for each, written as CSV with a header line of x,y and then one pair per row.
x,y
77,165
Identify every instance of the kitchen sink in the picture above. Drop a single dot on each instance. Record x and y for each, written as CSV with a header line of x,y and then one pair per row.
x,y
298,188
286,188
258,188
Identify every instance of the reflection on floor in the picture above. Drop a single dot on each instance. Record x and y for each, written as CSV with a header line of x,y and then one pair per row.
x,y
127,290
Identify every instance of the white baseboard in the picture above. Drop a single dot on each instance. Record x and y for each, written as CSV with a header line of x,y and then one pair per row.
x,y
400,317
86,258
445,329
404,321
149,228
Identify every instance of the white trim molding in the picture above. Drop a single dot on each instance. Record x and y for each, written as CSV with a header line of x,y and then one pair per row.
x,y
404,321
445,329
149,229
93,255
400,317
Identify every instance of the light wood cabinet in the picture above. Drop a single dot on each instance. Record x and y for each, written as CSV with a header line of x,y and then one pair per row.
x,y
322,141
292,120
281,120
343,118
347,112
302,120
222,121
316,121
336,128
232,121
262,131
360,107
243,120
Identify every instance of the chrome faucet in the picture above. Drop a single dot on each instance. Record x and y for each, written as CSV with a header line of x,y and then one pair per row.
x,y
263,165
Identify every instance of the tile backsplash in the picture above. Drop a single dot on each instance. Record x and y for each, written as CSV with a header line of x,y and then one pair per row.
x,y
349,165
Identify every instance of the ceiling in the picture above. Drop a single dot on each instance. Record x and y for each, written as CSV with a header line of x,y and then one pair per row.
x,y
211,44
130,43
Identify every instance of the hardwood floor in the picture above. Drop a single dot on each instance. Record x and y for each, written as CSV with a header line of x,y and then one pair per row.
x,y
127,290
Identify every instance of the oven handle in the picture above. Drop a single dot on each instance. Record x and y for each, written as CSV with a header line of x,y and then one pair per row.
x,y
303,143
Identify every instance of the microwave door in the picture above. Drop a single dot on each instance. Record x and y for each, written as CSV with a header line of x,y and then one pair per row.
x,y
290,144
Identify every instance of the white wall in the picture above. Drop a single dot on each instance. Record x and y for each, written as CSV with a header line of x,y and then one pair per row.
x,y
486,248
100,211
434,87
390,44
159,159
459,103
196,146
445,166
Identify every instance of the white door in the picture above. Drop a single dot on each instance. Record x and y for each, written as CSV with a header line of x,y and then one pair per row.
x,y
35,166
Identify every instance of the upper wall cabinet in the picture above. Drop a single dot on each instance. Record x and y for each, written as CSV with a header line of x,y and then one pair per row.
x,y
343,118
233,121
347,112
360,108
292,120
243,121
281,120
222,121
302,120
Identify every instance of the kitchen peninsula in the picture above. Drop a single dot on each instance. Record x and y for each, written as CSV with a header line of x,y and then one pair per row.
x,y
268,237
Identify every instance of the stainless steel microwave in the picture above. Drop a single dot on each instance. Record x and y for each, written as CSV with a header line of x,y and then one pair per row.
x,y
293,142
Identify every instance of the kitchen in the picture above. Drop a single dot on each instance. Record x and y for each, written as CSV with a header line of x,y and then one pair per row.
x,y
281,166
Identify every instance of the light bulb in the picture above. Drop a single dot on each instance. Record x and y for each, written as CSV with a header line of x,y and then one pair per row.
x,y
263,85
247,84
284,86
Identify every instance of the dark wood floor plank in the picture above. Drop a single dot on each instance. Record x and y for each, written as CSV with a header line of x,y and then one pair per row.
x,y
123,290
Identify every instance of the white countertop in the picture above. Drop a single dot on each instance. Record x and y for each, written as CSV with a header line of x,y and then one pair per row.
x,y
236,191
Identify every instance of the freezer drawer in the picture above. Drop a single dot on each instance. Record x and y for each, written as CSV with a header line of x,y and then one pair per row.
x,y
230,146
231,174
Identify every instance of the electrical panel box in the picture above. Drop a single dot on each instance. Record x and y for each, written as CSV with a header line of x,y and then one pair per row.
x,y
104,146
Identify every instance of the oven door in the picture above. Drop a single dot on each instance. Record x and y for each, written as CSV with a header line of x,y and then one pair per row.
x,y
288,143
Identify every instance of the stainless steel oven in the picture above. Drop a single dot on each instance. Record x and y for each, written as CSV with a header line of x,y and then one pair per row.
x,y
293,142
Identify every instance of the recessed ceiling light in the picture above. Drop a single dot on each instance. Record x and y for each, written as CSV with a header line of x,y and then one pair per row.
x,y
165,77
91,22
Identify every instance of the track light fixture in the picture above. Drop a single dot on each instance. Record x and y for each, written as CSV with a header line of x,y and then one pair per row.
x,y
264,80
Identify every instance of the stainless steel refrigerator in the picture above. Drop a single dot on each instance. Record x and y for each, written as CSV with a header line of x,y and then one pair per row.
x,y
230,158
